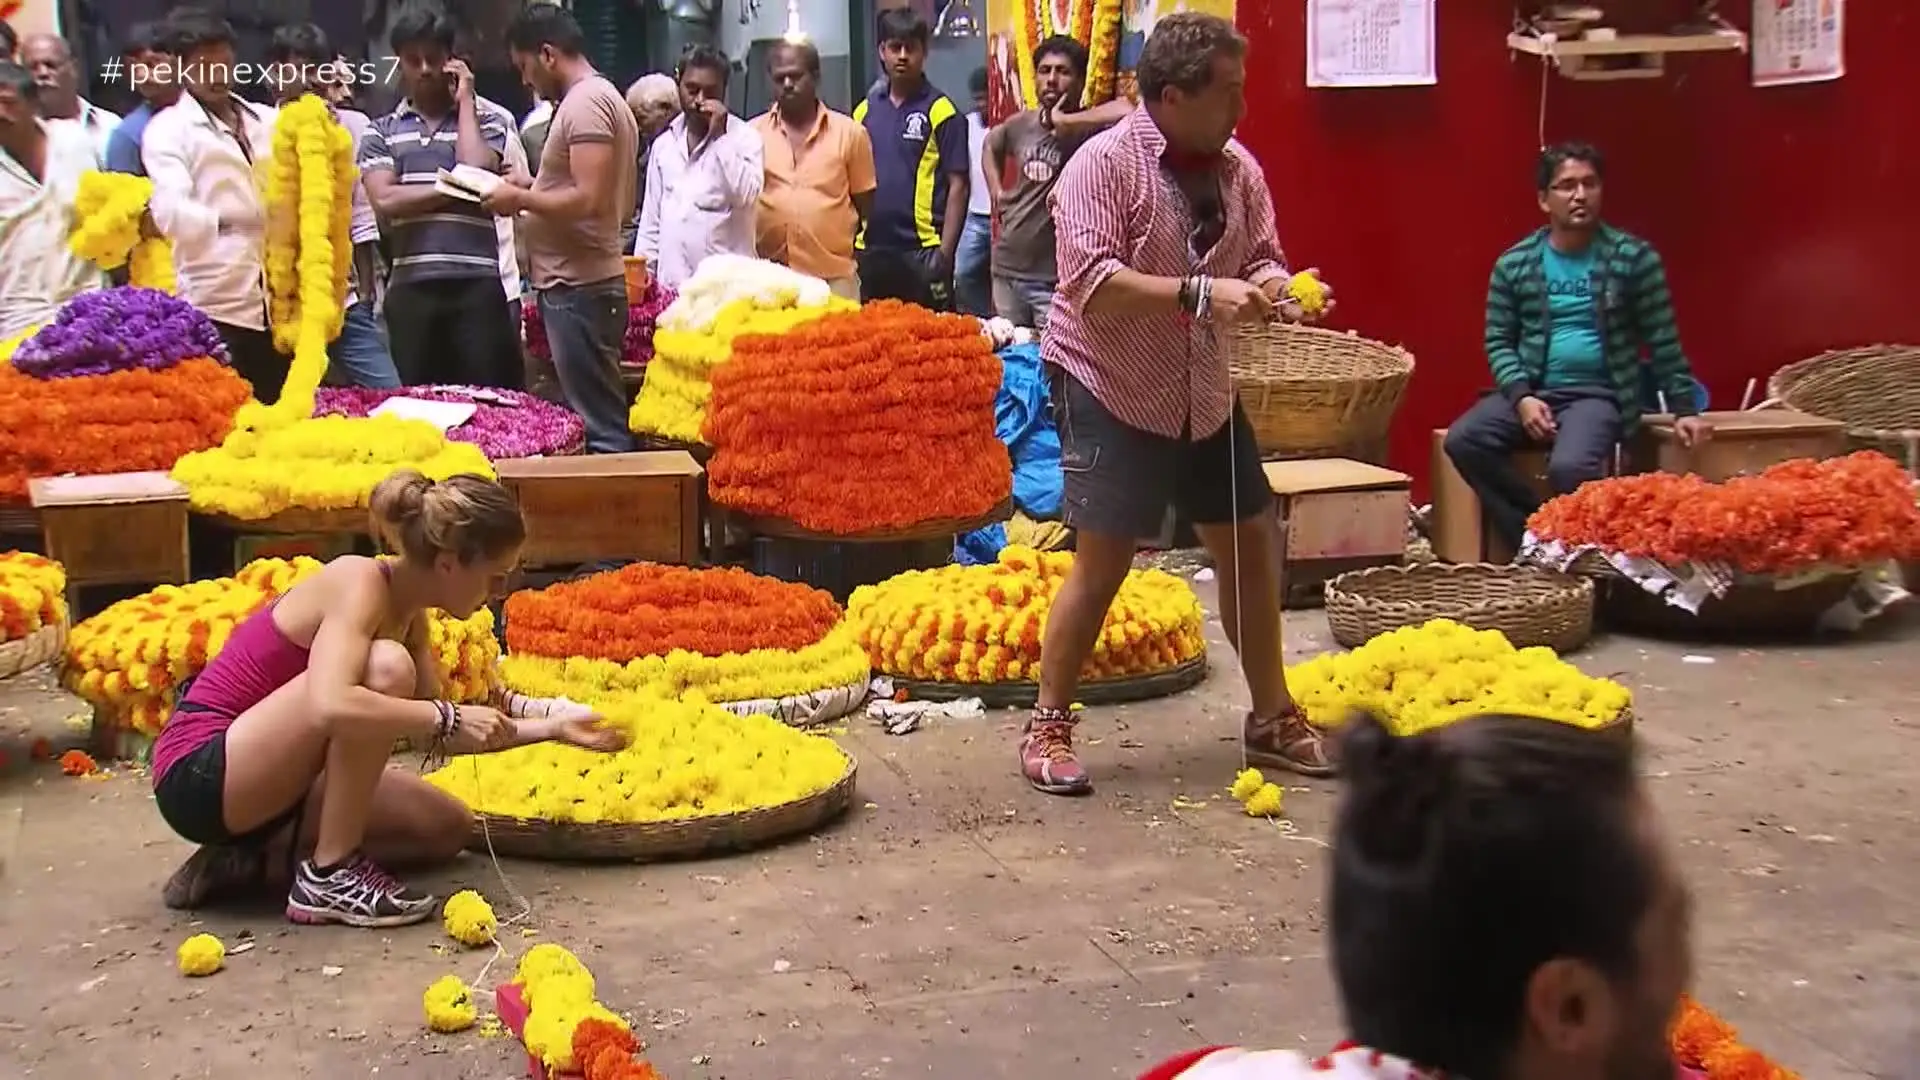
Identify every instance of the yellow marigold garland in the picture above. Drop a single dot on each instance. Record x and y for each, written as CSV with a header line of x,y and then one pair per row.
x,y
33,594
109,211
763,674
559,993
1026,38
672,403
1103,53
983,624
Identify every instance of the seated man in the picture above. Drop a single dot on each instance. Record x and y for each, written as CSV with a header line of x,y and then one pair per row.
x,y
1569,310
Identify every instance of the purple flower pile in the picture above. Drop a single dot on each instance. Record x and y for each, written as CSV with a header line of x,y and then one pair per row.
x,y
637,351
505,423
119,329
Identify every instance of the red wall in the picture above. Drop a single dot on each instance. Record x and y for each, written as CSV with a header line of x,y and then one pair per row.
x,y
1789,217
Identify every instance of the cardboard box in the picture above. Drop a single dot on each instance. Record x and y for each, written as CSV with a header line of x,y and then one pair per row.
x,y
599,507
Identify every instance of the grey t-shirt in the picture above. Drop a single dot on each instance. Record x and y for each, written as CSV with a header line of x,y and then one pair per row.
x,y
1024,248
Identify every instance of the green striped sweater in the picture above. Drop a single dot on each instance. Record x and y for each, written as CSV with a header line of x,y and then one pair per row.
x,y
1631,303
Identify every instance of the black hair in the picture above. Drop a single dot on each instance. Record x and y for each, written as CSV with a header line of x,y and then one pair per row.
x,y
1559,154
1466,857
1180,52
9,40
545,24
1062,45
977,82
303,42
422,26
18,79
698,55
147,37
902,26
196,28
808,52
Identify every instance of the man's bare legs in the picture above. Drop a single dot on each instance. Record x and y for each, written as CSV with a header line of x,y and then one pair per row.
x,y
1100,565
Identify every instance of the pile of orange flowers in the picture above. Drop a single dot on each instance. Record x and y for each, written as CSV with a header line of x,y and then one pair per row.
x,y
1703,1041
124,421
1845,512
607,1051
861,422
650,610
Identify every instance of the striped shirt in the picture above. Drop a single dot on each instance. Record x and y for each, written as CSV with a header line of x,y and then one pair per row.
x,y
1115,208
460,241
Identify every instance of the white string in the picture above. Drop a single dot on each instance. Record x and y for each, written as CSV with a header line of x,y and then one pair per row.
x,y
1233,513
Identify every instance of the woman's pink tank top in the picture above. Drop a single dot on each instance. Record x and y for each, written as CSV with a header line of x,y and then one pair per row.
x,y
258,659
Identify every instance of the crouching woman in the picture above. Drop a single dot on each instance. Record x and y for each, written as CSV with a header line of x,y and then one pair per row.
x,y
276,757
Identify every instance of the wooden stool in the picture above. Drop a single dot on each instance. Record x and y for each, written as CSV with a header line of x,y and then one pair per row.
x,y
1336,515
603,507
1742,443
117,529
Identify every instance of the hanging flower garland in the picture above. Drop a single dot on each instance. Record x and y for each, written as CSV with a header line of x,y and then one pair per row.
x,y
983,624
505,423
566,1029
309,246
119,329
1103,53
1708,1044
111,229
33,594
1026,38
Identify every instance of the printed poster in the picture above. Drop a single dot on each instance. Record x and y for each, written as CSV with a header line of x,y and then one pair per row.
x,y
1359,43
1798,41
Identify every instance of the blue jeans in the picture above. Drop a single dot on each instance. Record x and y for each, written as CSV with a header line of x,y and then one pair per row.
x,y
1023,303
359,356
972,267
586,330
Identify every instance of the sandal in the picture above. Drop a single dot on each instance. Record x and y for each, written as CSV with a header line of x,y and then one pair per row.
x,y
1288,742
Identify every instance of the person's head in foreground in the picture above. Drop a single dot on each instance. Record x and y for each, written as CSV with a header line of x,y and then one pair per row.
x,y
655,101
1060,72
548,49
1193,80
458,539
1570,177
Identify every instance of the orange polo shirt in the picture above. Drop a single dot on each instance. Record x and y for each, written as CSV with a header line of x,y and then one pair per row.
x,y
807,219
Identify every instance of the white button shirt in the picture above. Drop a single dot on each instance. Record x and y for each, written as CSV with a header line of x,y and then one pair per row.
x,y
97,124
38,270
201,178
701,204
513,157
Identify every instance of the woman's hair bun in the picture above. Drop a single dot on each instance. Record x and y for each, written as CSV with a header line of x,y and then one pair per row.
x,y
395,501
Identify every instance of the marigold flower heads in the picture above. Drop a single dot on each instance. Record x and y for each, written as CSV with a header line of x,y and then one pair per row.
x,y
469,918
33,594
107,210
1265,802
449,1005
1309,291
201,955
78,763
1245,784
648,609
559,993
1702,1041
601,1047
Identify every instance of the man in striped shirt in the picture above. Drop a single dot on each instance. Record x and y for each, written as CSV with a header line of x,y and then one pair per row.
x,y
447,312
1165,236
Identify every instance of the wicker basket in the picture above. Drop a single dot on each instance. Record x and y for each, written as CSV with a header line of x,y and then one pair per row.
x,y
1875,391
1751,609
1529,605
43,646
1312,391
658,841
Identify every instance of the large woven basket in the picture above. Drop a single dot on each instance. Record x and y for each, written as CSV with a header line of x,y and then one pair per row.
x,y
1875,391
1751,609
43,646
1527,604
1313,391
658,841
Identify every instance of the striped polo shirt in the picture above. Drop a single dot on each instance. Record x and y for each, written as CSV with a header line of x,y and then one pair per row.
x,y
458,242
919,145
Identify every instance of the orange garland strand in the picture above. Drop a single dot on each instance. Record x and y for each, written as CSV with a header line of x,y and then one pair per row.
x,y
650,610
1702,1041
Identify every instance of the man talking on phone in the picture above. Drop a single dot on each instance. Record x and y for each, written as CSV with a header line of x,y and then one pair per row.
x,y
704,177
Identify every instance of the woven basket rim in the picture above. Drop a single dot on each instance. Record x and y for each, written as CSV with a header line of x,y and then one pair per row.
x,y
1782,384
43,646
1399,362
1533,586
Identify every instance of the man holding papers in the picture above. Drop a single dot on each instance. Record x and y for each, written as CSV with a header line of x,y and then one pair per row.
x,y
426,167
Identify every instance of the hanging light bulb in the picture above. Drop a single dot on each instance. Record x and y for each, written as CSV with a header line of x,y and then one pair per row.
x,y
959,21
794,35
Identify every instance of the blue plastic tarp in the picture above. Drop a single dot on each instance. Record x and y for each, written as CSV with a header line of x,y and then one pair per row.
x,y
1023,419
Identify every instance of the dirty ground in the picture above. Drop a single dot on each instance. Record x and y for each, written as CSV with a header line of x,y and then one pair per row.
x,y
958,925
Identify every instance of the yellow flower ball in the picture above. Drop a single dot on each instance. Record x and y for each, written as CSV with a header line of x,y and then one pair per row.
x,y
1309,291
1265,801
449,1005
469,918
201,955
1245,784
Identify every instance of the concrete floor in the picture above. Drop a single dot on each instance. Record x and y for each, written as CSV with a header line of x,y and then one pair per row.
x,y
958,925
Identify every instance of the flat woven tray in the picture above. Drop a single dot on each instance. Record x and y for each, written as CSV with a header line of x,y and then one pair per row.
x,y
1022,695
1752,608
1529,605
782,529
353,520
1307,390
659,841
1875,391
43,646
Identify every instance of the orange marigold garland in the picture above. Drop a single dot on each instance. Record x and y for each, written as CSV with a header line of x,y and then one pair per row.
x,y
1704,1042
1846,512
126,421
650,610
860,422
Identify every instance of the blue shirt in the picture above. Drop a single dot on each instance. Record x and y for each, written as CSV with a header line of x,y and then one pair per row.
x,y
919,146
1576,353
123,146
458,242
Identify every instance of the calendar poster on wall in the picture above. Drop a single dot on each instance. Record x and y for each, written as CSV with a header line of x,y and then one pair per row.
x,y
1798,41
1357,43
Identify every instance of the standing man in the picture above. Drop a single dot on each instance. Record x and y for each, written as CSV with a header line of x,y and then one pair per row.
x,y
51,60
704,175
40,168
153,70
573,214
973,263
446,307
907,247
1166,240
655,101
1038,142
820,181
1569,311
206,196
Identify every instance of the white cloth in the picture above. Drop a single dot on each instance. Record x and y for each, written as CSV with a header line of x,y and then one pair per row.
x,y
513,157
38,270
203,178
978,201
1353,1064
97,124
701,204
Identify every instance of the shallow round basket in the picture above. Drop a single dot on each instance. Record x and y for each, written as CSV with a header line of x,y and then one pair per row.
x,y
1752,608
1875,391
659,841
1529,605
1308,390
43,646
1023,695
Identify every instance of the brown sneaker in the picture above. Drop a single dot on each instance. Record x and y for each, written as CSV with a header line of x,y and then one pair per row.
x,y
1046,755
212,874
1288,742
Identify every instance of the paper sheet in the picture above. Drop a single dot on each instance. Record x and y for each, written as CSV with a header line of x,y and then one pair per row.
x,y
1798,41
445,415
1356,43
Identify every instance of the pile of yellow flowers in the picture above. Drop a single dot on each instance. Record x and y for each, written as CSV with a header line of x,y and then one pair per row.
x,y
33,594
559,994
127,659
759,675
108,210
1259,796
672,403
1424,677
983,624
687,759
